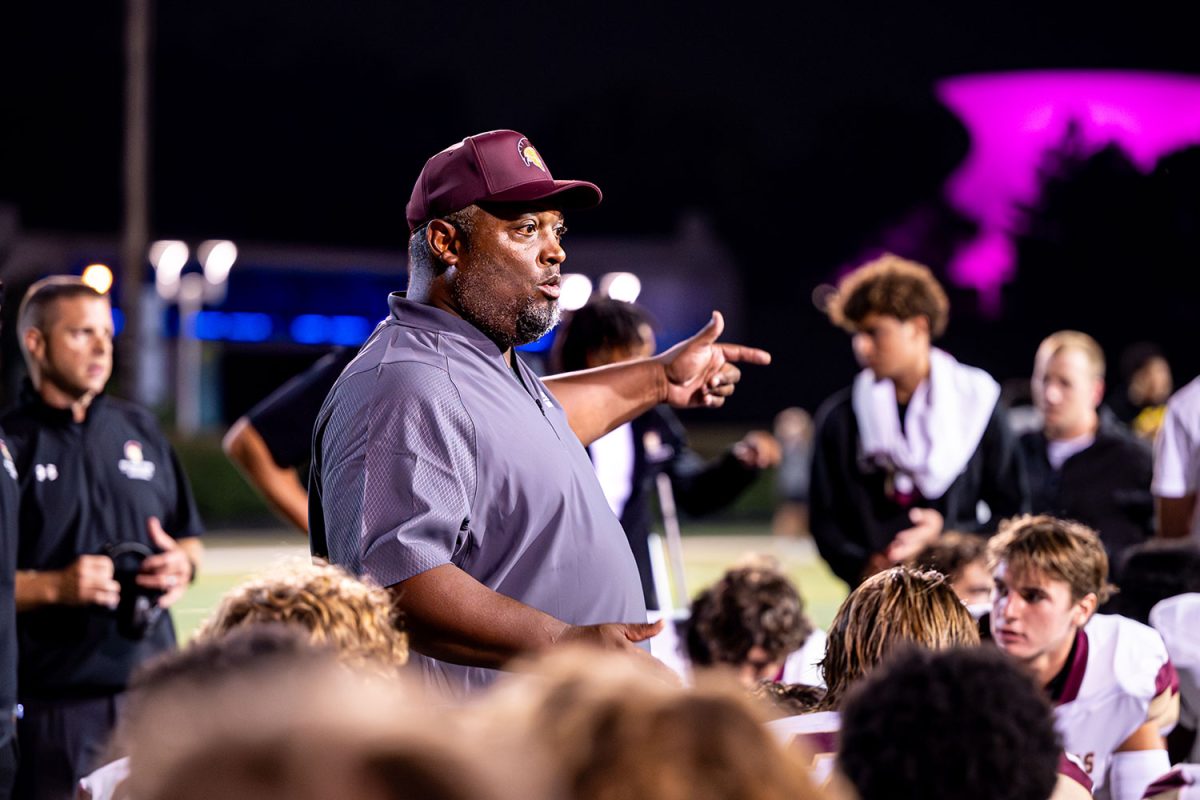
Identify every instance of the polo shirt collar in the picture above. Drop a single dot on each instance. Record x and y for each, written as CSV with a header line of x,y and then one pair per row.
x,y
426,317
48,413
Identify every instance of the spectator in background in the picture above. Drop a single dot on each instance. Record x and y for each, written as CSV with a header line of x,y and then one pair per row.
x,y
109,537
794,431
752,620
1177,465
962,558
1084,464
917,441
963,723
1146,384
629,458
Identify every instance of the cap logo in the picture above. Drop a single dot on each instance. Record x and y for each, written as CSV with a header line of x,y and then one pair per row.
x,y
529,155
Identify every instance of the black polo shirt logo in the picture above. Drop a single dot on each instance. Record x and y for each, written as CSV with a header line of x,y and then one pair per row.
x,y
134,465
9,466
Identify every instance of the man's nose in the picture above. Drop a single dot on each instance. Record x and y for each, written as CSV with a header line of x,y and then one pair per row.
x,y
553,252
862,345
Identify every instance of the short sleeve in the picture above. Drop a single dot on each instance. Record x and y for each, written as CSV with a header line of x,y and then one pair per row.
x,y
1174,456
399,474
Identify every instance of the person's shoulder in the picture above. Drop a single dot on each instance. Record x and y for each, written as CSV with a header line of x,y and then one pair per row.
x,y
128,410
1177,619
17,418
1130,655
836,408
1186,399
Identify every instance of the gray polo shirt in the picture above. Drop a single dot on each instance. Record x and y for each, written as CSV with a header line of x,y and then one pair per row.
x,y
430,451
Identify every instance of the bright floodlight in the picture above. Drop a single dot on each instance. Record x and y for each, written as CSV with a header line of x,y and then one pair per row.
x,y
623,286
217,257
168,257
99,277
576,289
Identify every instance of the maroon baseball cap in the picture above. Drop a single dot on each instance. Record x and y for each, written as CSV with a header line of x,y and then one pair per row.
x,y
496,167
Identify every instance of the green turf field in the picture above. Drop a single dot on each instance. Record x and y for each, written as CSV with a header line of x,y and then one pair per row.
x,y
708,550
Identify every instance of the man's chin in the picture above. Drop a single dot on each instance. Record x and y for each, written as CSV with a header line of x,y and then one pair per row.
x,y
534,324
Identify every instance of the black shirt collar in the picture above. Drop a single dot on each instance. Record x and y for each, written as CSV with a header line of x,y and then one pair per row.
x,y
50,415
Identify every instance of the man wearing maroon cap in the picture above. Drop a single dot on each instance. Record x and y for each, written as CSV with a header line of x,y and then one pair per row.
x,y
444,469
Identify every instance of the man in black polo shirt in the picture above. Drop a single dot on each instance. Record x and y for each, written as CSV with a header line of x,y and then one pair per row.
x,y
1084,464
107,537
8,630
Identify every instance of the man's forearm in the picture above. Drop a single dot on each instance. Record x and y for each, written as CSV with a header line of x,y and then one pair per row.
x,y
598,400
280,486
452,617
1174,515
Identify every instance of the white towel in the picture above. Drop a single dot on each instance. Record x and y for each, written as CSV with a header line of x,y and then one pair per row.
x,y
945,420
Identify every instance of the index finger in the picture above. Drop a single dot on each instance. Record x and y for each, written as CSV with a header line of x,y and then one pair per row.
x,y
744,354
155,563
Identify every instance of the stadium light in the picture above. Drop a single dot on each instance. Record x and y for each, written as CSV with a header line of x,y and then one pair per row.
x,y
623,286
99,277
190,291
168,257
217,257
576,289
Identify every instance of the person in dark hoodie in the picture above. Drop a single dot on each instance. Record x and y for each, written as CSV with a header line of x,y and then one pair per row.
x,y
1084,464
918,440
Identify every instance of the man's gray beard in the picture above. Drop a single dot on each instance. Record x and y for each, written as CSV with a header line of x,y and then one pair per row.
x,y
508,325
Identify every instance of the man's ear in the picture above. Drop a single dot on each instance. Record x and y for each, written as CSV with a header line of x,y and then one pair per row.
x,y
35,343
921,322
444,240
1098,398
1084,609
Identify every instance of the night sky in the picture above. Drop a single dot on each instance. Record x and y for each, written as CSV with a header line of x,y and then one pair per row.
x,y
800,130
